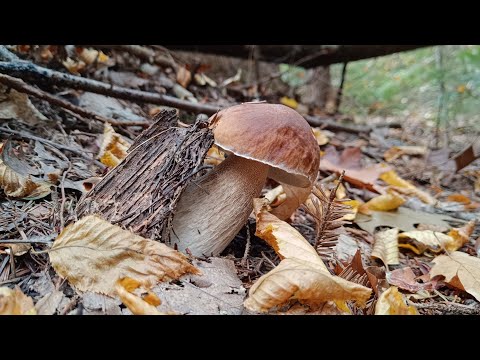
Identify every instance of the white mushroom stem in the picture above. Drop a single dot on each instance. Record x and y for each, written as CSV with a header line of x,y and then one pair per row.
x,y
212,210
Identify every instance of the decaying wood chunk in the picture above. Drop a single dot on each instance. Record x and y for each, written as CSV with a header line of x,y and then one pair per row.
x,y
140,194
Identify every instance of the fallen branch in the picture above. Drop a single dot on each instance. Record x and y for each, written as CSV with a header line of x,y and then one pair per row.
x,y
143,53
332,125
23,87
80,153
31,73
449,308
6,241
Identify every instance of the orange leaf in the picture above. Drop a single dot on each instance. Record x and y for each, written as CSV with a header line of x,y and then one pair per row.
x,y
349,160
459,198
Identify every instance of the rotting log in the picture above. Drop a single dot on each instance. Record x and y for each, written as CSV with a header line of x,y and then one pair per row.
x,y
307,56
140,194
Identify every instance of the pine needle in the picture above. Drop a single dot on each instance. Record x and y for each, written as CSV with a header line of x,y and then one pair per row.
x,y
326,212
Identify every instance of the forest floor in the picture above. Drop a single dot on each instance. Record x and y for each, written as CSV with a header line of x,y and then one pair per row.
x,y
409,241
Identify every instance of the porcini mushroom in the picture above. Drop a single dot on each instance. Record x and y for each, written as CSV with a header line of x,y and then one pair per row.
x,y
261,140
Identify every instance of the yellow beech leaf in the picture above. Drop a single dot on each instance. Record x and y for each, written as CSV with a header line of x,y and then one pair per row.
x,y
391,178
421,240
396,151
289,102
136,304
18,186
296,279
322,139
301,275
415,192
405,187
341,191
184,76
392,302
460,270
354,206
285,240
15,302
89,56
385,202
214,156
74,67
93,254
461,88
461,235
114,147
386,246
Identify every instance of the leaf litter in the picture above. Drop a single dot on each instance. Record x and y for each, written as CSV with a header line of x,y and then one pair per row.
x,y
389,241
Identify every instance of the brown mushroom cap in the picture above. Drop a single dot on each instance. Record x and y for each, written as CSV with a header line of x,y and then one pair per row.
x,y
273,134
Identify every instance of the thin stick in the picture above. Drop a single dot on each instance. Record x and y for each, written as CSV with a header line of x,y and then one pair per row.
x,y
340,88
12,264
21,86
62,204
54,144
31,72
25,241
247,246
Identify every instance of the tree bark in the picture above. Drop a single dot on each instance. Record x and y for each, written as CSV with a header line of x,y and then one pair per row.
x,y
303,55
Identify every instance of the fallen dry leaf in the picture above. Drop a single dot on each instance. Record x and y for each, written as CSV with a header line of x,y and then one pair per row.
x,y
214,156
341,191
136,304
19,249
184,76
49,304
283,238
218,291
377,278
421,240
93,254
405,279
406,187
346,248
18,185
354,206
17,105
396,151
466,157
460,270
74,67
321,137
391,302
15,302
289,102
301,275
89,56
403,218
299,280
459,198
386,246
384,202
114,147
349,161
462,234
